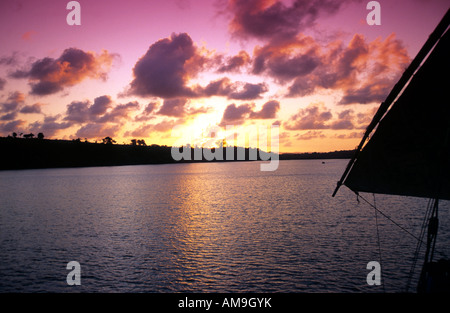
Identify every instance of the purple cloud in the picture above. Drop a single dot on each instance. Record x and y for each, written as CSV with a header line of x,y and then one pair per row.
x,y
235,63
263,19
237,115
165,68
268,111
50,126
48,75
30,109
146,114
13,102
312,117
13,126
234,90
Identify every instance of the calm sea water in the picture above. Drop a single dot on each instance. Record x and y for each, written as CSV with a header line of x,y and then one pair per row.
x,y
209,227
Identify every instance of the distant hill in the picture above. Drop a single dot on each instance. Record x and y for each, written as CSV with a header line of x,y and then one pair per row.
x,y
29,153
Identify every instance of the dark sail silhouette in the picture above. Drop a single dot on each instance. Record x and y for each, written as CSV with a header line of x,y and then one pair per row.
x,y
408,152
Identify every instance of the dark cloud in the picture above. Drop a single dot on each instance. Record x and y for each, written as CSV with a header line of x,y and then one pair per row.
x,y
235,63
381,63
340,67
287,60
314,116
248,91
318,117
344,121
2,83
292,67
180,107
364,118
119,112
220,87
11,60
48,75
13,102
169,64
301,87
95,119
78,111
50,126
364,95
347,63
166,68
101,111
9,116
30,109
45,88
150,107
270,19
234,90
13,126
174,107
295,62
342,124
237,115
101,105
146,114
363,71
14,105
299,60
268,111
104,118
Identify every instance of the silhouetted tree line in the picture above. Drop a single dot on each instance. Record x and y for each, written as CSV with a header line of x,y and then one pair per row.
x,y
138,142
25,151
27,136
20,152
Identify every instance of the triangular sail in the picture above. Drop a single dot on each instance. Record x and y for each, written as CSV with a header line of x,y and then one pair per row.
x,y
409,153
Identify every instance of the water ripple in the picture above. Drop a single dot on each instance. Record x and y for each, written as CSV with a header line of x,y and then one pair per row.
x,y
223,227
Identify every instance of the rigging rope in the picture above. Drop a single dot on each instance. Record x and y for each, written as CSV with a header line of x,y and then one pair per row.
x,y
390,219
419,239
378,237
419,244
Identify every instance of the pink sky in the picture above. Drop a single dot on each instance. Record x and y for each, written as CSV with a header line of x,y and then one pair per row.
x,y
136,69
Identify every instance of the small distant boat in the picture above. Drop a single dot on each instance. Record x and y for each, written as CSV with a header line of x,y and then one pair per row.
x,y
408,153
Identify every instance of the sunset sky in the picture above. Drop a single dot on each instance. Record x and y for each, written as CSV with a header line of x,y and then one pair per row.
x,y
137,69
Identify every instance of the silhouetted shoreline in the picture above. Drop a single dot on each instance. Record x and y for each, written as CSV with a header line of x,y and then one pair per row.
x,y
34,153
341,154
